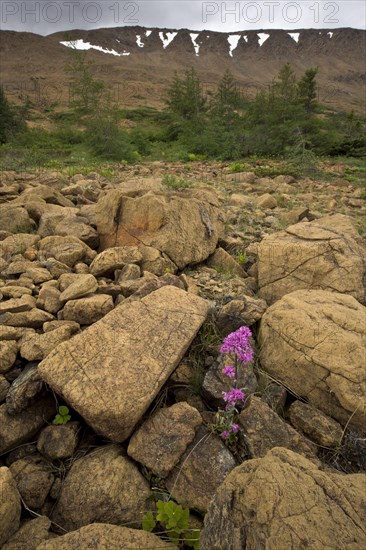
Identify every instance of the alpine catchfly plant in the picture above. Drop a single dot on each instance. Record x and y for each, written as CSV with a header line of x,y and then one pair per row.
x,y
238,348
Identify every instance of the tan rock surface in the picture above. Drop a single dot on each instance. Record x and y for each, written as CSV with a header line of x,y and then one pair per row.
x,y
183,225
89,310
163,438
284,501
104,537
322,254
30,535
112,371
312,341
102,486
114,258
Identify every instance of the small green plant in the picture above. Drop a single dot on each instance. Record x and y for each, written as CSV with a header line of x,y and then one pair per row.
x,y
192,157
62,417
236,167
174,520
241,257
172,182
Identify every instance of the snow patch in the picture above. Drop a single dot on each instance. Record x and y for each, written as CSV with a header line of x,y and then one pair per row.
x,y
139,41
169,38
294,35
262,38
147,33
330,34
195,45
116,41
233,40
81,45
246,38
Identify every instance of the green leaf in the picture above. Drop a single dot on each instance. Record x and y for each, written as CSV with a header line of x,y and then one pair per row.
x,y
192,539
58,420
148,522
63,411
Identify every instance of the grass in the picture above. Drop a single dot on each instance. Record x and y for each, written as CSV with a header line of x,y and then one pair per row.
x,y
174,183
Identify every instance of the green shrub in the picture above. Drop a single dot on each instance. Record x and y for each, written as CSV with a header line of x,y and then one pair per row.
x,y
172,182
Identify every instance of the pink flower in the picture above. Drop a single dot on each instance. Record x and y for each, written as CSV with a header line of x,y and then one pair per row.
x,y
239,343
234,428
229,370
231,397
225,434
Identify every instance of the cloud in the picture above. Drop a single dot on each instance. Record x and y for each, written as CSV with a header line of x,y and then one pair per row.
x,y
46,17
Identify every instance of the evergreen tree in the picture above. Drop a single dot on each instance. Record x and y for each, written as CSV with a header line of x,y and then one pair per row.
x,y
184,96
85,90
307,90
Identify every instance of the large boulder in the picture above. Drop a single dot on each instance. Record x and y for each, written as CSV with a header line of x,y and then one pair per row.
x,y
104,486
323,254
111,372
184,226
284,501
103,536
312,341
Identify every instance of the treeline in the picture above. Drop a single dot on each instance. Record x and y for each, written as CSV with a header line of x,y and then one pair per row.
x,y
283,120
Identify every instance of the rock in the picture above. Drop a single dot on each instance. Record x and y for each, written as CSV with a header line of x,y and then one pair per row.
x,y
33,481
38,275
23,389
8,355
297,215
322,254
114,258
10,507
316,425
53,325
17,244
57,268
238,312
87,311
15,219
4,388
155,261
238,199
202,468
30,535
132,364
11,333
312,342
10,291
284,501
163,438
84,285
129,272
183,225
58,442
266,201
40,345
222,261
102,535
45,192
32,319
15,430
67,250
79,227
17,305
49,299
264,430
274,395
102,486
18,266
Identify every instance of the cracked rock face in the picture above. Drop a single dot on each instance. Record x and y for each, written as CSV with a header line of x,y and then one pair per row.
x,y
284,501
183,227
111,372
313,342
323,254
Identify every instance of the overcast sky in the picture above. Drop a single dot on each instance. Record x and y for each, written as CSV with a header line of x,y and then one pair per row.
x,y
46,17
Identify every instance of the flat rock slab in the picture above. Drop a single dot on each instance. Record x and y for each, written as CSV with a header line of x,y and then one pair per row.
x,y
112,371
